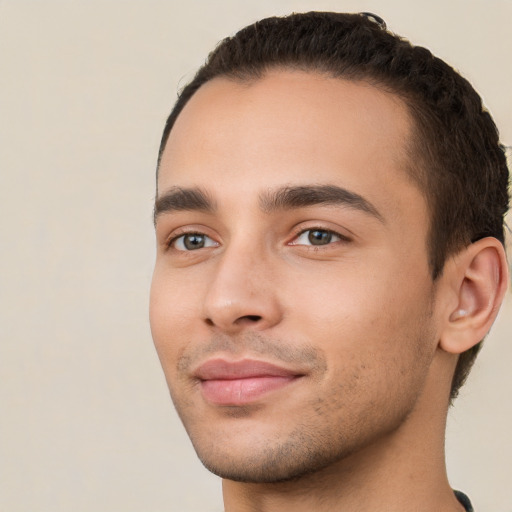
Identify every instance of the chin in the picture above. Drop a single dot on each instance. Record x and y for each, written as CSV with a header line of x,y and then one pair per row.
x,y
268,472
290,460
271,456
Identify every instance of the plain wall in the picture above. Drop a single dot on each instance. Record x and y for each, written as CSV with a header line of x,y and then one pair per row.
x,y
86,423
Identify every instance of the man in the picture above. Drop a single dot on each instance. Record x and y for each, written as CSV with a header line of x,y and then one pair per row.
x,y
329,220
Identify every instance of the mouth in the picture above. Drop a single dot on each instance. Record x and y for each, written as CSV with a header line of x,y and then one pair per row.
x,y
232,383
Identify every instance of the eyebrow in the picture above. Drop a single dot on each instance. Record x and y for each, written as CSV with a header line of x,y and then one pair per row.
x,y
182,199
284,198
291,197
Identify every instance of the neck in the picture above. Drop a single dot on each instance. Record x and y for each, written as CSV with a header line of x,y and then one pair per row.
x,y
402,471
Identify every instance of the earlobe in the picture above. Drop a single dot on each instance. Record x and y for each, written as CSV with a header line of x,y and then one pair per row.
x,y
479,279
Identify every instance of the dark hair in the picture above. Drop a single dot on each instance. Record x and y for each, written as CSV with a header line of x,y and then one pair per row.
x,y
455,154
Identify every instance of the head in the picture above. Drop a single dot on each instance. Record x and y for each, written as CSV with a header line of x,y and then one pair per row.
x,y
252,149
455,156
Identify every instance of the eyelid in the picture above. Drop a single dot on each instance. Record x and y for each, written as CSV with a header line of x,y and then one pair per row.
x,y
178,233
300,230
180,240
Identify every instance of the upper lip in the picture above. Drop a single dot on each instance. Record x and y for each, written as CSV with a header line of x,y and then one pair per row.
x,y
222,369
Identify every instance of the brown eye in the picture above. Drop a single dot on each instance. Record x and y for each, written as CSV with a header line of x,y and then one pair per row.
x,y
319,237
193,241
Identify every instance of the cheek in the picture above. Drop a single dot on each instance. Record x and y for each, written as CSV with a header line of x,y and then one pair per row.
x,y
378,343
363,311
170,309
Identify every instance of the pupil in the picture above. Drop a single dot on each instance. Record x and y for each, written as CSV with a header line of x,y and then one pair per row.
x,y
192,242
317,237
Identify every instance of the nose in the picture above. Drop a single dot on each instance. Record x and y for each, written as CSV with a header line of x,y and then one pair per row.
x,y
243,293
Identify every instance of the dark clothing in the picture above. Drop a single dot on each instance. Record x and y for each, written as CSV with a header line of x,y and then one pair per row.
x,y
464,501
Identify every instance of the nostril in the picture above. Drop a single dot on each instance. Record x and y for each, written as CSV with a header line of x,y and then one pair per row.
x,y
248,320
241,321
252,318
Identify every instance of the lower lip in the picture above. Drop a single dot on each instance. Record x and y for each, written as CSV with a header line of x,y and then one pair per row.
x,y
242,391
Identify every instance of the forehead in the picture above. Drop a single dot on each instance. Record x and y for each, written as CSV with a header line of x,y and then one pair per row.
x,y
290,127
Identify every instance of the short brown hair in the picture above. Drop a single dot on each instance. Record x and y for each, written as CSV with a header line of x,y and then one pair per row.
x,y
456,157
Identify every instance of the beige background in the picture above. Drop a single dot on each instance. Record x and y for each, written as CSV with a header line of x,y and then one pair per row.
x,y
85,86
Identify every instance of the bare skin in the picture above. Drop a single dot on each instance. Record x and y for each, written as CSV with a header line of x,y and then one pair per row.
x,y
306,348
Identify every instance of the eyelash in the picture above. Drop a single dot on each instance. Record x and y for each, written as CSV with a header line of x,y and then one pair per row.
x,y
170,243
301,232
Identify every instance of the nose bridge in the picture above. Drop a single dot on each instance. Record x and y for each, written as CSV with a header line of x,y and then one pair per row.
x,y
240,294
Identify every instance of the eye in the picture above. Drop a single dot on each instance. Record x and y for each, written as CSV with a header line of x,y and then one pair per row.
x,y
317,237
192,241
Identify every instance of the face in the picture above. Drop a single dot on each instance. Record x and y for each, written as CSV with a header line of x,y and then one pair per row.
x,y
291,304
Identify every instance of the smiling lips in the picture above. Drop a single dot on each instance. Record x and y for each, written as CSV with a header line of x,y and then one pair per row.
x,y
241,382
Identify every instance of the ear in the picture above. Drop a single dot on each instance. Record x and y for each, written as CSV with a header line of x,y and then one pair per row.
x,y
478,280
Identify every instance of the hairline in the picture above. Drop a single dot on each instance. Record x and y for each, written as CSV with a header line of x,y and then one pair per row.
x,y
411,147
